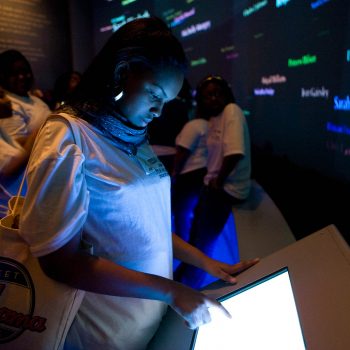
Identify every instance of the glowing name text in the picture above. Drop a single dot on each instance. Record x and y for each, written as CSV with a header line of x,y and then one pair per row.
x,y
117,22
318,3
339,129
106,28
315,92
232,55
273,79
229,48
258,36
127,2
306,59
280,3
264,92
342,104
256,7
179,19
200,27
198,62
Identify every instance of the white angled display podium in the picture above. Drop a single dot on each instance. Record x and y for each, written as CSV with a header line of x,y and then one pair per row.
x,y
319,267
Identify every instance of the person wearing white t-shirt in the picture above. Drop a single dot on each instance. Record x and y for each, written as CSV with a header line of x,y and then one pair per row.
x,y
28,111
22,114
227,181
111,186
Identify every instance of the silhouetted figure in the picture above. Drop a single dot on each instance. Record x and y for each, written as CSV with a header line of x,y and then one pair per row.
x,y
64,87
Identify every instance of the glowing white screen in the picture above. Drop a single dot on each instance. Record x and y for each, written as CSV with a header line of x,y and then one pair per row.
x,y
264,317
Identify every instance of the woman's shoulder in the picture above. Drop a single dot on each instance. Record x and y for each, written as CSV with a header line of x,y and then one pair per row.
x,y
61,121
232,110
59,129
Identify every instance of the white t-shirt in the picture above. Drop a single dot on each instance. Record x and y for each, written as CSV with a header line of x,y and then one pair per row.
x,y
28,114
193,136
9,150
124,212
228,134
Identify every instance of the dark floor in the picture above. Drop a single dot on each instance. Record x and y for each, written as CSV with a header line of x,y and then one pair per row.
x,y
307,200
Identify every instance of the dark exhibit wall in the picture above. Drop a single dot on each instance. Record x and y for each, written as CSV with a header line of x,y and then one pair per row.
x,y
40,30
288,62
108,16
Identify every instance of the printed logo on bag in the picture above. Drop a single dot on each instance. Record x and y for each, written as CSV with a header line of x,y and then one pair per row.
x,y
17,301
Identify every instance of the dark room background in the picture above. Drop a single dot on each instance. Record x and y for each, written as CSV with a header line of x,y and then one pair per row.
x,y
288,62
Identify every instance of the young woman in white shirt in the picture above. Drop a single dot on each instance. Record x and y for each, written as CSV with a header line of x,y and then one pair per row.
x,y
114,188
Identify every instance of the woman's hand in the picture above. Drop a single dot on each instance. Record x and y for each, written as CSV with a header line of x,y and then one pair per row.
x,y
189,254
225,271
193,306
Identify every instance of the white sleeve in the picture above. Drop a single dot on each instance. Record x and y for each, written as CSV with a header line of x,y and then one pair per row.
x,y
188,136
233,136
10,151
57,199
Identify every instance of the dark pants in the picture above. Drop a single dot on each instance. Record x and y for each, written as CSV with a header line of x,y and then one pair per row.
x,y
210,216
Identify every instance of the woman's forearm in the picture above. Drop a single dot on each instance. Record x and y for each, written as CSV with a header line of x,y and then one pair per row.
x,y
228,164
102,276
188,253
99,275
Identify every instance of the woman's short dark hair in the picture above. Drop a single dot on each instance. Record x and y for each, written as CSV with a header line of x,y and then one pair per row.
x,y
145,43
219,81
7,59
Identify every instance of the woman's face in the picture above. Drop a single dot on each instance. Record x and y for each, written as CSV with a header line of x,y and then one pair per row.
x,y
20,79
213,99
144,95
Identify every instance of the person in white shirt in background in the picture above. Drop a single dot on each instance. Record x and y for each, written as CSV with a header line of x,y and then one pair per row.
x,y
113,188
227,181
28,110
20,124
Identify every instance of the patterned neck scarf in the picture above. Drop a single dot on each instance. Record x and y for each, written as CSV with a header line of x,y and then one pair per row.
x,y
116,127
